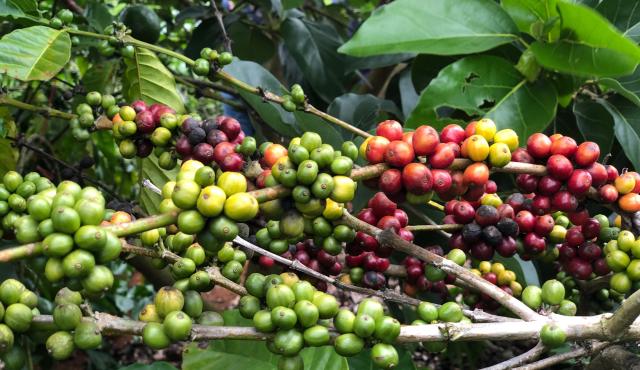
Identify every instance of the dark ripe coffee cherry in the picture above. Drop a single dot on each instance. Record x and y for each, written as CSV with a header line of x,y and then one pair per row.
x,y
527,183
564,201
381,205
492,236
441,180
390,182
566,253
457,242
215,137
591,228
539,145
233,162
589,251
464,212
559,167
486,215
482,251
507,247
144,147
541,205
229,126
203,152
544,225
521,155
183,147
402,217
367,215
549,185
516,201
579,268
145,122
196,136
526,221
600,267
374,280
222,150
138,106
587,153
471,233
579,182
574,236
189,124
534,243
406,235
598,174
508,227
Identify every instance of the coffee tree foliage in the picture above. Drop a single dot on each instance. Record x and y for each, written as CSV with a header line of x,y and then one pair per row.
x,y
551,66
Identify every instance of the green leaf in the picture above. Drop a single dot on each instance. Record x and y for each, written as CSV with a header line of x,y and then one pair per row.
x,y
527,108
98,16
471,84
526,13
627,86
362,111
278,119
313,46
595,123
148,79
8,153
34,53
100,77
250,43
433,27
624,14
17,9
626,118
596,47
150,170
158,365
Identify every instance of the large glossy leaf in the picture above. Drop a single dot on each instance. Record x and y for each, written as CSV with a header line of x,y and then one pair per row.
x,y
527,108
278,119
150,170
624,14
34,53
626,118
596,47
627,86
100,76
253,355
314,48
526,13
472,84
148,79
408,94
208,34
98,16
250,43
19,9
595,123
433,27
362,111
8,153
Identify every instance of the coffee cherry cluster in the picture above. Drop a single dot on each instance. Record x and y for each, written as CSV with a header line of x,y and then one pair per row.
x,y
14,192
17,308
623,258
580,253
366,258
551,297
428,313
220,141
300,316
416,280
170,317
497,274
66,219
402,150
314,171
211,60
72,332
486,229
571,171
318,259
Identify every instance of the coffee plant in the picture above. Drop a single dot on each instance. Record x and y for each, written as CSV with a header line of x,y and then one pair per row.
x,y
308,184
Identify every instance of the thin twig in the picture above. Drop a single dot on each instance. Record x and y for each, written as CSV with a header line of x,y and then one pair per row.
x,y
225,37
562,357
531,355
